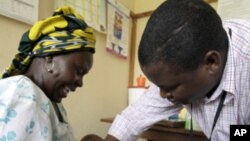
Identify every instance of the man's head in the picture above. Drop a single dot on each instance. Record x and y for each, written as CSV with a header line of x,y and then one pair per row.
x,y
184,37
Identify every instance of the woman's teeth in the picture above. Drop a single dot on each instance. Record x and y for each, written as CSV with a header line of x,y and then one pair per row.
x,y
66,90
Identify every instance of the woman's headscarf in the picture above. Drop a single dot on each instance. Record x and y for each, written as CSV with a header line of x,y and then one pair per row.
x,y
65,31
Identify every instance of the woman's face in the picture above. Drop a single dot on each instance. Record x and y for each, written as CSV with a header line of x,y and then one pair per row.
x,y
67,74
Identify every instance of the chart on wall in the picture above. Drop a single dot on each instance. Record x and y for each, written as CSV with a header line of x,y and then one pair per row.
x,y
22,10
118,29
93,11
231,9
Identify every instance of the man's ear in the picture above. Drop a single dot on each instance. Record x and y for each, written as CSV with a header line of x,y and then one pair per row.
x,y
213,62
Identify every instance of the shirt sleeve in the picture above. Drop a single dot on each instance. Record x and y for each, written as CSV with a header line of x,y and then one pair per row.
x,y
136,118
21,117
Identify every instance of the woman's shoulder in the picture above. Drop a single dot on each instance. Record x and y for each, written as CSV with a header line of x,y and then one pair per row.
x,y
13,83
14,80
19,87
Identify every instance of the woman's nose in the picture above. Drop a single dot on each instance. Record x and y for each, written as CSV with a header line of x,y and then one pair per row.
x,y
79,82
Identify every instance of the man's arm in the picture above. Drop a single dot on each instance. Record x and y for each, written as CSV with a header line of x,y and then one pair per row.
x,y
136,118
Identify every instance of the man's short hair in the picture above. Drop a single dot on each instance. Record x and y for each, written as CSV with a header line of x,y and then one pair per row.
x,y
180,32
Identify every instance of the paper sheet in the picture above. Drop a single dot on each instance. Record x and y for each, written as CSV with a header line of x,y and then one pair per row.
x,y
93,11
22,10
118,29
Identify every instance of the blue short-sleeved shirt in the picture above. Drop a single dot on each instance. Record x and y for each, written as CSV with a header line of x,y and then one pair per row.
x,y
26,113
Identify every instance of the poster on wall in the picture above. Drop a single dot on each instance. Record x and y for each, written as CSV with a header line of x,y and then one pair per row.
x,y
93,11
22,10
118,29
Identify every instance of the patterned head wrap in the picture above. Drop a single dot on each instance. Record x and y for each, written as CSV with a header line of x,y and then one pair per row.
x,y
64,32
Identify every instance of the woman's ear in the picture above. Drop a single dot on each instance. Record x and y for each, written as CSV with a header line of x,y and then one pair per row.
x,y
49,64
213,62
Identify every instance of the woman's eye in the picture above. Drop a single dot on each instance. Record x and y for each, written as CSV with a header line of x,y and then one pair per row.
x,y
79,72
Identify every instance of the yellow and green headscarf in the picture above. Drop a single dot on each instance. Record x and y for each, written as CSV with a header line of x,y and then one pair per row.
x,y
65,31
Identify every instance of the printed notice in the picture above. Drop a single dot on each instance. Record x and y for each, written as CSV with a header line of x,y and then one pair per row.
x,y
118,29
22,10
93,11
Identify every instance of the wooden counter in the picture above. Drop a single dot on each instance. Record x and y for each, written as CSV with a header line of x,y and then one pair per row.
x,y
159,132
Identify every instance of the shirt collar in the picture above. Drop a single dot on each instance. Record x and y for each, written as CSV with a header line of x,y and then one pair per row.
x,y
227,77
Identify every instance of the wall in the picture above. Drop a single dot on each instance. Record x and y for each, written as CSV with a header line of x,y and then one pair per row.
x,y
104,93
140,7
130,4
11,31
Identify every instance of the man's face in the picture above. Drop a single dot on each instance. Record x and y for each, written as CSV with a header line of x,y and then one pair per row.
x,y
184,87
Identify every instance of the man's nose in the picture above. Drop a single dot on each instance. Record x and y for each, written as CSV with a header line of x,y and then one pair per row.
x,y
166,94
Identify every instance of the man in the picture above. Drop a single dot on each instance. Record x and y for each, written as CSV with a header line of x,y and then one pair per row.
x,y
194,62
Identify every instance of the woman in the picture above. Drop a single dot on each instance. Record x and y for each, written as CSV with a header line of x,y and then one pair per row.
x,y
53,57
